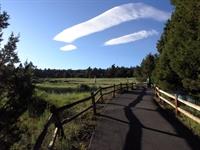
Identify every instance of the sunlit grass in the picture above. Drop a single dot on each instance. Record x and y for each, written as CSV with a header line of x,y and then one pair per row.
x,y
73,82
31,128
62,99
195,127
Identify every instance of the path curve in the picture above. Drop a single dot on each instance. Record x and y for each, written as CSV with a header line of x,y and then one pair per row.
x,y
133,121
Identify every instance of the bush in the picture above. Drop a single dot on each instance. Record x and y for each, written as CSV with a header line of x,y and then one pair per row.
x,y
84,87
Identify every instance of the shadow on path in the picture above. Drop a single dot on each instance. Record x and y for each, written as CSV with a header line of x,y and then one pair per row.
x,y
134,136
142,126
183,131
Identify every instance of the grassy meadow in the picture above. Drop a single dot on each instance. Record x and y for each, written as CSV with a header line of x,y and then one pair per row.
x,y
59,92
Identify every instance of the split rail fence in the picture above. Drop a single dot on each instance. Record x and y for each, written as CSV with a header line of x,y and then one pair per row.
x,y
176,102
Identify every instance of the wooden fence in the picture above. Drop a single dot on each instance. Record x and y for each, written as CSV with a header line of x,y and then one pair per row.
x,y
55,118
175,102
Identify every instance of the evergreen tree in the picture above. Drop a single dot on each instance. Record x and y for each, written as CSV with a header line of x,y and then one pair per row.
x,y
16,86
8,59
147,66
15,82
178,66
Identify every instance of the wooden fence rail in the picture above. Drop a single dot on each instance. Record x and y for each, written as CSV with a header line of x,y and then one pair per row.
x,y
175,103
59,122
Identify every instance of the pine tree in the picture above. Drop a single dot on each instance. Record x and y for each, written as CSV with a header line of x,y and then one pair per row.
x,y
8,59
15,82
16,88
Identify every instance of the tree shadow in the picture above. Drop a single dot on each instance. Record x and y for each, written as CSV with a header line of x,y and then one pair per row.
x,y
182,130
134,135
112,118
133,139
144,127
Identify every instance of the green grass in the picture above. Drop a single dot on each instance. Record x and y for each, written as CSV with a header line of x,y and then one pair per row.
x,y
195,127
78,133
61,91
31,128
60,99
71,82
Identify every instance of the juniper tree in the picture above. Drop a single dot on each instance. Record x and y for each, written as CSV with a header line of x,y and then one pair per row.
x,y
178,66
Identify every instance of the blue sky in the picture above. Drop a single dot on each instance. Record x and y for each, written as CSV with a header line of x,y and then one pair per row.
x,y
98,33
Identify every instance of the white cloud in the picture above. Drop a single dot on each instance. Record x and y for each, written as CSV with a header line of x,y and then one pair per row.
x,y
110,18
131,37
68,48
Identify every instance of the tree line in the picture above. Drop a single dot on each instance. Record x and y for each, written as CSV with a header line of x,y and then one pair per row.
x,y
111,72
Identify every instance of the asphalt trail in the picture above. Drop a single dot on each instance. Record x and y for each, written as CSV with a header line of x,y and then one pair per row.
x,y
133,121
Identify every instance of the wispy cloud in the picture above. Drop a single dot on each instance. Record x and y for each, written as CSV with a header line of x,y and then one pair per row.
x,y
68,48
110,18
131,37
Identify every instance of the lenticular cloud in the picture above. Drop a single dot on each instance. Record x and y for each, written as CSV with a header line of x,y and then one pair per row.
x,y
110,18
131,37
68,48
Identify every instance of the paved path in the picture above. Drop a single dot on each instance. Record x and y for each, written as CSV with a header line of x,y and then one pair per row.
x,y
133,121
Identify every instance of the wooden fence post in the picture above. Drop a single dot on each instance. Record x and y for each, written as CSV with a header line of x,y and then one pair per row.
x,y
57,121
132,86
159,96
120,88
93,103
114,91
101,95
155,91
176,104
